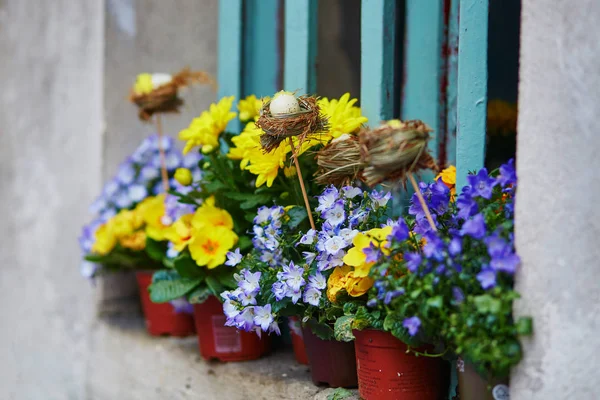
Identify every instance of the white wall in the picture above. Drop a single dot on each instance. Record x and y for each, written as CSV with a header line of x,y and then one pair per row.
x,y
557,215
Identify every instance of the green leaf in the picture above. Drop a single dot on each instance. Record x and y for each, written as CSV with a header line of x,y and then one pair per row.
x,y
165,275
214,285
156,250
187,267
248,200
435,302
415,293
321,330
244,243
362,319
164,291
343,329
390,320
297,215
199,295
487,304
525,326
340,394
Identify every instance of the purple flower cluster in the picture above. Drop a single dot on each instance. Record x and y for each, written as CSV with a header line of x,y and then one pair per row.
x,y
267,234
290,281
437,198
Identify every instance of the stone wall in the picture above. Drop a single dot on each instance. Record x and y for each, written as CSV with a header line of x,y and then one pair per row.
x,y
557,225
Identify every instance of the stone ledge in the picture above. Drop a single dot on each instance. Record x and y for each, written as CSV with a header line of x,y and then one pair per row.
x,y
125,363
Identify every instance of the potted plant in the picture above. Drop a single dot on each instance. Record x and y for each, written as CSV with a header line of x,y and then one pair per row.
x,y
128,233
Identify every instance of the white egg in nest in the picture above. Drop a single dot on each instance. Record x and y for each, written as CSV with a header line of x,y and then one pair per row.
x,y
160,79
284,103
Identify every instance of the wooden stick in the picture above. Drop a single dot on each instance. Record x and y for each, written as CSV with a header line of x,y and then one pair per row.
x,y
161,151
422,201
306,203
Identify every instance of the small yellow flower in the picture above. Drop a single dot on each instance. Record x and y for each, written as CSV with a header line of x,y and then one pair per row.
x,y
134,241
105,240
205,129
209,247
208,216
337,282
249,107
448,176
357,286
356,256
183,176
180,232
342,116
290,171
152,210
143,84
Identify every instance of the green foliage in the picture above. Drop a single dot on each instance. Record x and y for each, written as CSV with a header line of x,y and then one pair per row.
x,y
167,290
199,295
156,250
187,267
340,394
321,329
343,328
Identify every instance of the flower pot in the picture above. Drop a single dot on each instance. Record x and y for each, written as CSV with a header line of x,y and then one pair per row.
x,y
225,343
387,371
298,340
472,386
162,319
331,362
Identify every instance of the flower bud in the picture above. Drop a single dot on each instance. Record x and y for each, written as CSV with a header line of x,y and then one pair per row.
x,y
183,176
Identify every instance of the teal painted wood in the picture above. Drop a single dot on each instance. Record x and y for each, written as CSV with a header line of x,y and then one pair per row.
x,y
300,72
378,31
230,53
452,77
261,47
424,67
472,88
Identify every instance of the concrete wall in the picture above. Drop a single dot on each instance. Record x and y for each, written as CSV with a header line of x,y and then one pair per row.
x,y
558,228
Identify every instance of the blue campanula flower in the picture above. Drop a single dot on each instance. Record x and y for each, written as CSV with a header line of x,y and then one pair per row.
x,y
506,262
334,244
389,296
399,231
88,269
458,295
474,227
293,276
412,324
317,281
482,184
250,281
327,199
233,258
487,278
309,257
455,246
413,261
373,253
262,215
434,248
137,193
149,173
126,173
312,296
182,306
245,319
380,199
336,214
111,188
279,290
508,175
308,237
350,192
191,160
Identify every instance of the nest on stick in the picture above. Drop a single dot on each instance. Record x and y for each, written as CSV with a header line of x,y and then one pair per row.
x,y
340,162
395,149
165,98
278,128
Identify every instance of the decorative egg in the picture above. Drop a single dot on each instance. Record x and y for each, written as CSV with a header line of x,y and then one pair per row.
x,y
284,103
160,79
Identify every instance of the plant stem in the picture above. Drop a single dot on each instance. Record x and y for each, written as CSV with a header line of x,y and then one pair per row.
x,y
422,201
161,151
299,171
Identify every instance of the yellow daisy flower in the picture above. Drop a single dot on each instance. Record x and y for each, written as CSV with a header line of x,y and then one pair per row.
x,y
249,107
342,116
448,176
205,129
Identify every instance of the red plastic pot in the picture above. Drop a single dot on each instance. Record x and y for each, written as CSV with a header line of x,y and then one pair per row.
x,y
331,362
387,372
298,340
162,319
225,343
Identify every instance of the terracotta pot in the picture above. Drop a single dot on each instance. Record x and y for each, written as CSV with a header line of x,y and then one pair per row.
x,y
387,372
331,362
298,340
162,319
225,343
472,386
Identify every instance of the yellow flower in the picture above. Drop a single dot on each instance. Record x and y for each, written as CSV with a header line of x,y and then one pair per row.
x,y
143,84
208,216
205,129
152,210
105,240
209,246
181,232
342,116
448,176
356,256
183,176
249,107
337,282
134,241
357,286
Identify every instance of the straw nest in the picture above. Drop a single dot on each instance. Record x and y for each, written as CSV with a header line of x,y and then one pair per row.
x,y
340,162
277,128
395,149
165,98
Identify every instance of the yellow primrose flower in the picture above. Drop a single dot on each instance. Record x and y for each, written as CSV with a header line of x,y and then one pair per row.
x,y
209,247
183,176
205,129
337,282
208,216
448,176
181,232
143,84
356,256
357,286
342,116
152,210
249,107
134,241
105,240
